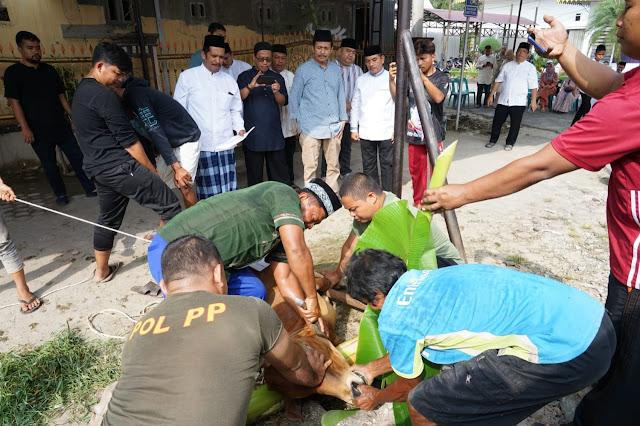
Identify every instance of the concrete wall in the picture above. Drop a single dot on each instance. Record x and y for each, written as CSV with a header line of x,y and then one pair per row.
x,y
14,153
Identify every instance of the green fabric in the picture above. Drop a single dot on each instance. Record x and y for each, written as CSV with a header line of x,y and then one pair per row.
x,y
192,359
242,224
444,248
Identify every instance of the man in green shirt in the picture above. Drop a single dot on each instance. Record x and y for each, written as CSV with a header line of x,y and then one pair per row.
x,y
194,358
363,197
265,221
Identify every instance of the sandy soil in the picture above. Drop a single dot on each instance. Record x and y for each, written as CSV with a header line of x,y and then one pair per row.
x,y
556,228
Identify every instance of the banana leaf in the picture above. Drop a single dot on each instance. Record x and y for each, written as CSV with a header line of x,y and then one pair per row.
x,y
333,417
394,228
262,401
441,169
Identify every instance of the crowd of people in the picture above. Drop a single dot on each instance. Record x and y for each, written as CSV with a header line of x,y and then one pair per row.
x,y
510,338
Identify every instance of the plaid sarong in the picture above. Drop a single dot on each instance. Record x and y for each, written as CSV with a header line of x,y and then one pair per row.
x,y
216,173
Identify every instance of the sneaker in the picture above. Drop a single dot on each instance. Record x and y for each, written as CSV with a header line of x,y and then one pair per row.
x,y
62,200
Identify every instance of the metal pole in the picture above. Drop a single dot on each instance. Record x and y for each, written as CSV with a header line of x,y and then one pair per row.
x,y
430,139
400,125
464,59
143,53
262,18
515,37
508,30
535,17
165,70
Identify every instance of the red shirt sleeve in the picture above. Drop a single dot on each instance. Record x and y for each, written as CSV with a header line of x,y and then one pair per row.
x,y
608,132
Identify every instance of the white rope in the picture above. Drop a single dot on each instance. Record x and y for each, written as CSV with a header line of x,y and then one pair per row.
x,y
93,328
83,220
55,291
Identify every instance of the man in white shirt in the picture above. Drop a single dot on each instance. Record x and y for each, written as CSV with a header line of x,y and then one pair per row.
x,y
486,64
516,78
233,67
288,126
212,98
372,114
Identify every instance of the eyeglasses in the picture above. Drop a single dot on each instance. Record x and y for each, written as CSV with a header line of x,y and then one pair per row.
x,y
263,59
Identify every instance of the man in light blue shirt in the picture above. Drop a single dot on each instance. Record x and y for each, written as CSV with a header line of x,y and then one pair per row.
x,y
317,102
516,341
214,29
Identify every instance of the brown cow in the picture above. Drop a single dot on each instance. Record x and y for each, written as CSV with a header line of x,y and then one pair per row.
x,y
339,381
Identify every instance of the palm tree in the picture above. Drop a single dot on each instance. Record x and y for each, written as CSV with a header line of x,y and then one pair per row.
x,y
603,22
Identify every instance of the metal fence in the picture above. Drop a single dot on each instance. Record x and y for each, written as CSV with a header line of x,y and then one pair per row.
x,y
165,60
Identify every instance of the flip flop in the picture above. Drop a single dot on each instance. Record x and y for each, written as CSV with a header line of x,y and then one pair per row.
x,y
508,147
28,311
150,289
489,144
112,272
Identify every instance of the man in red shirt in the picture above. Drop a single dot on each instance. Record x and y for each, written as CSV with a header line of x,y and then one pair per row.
x,y
584,145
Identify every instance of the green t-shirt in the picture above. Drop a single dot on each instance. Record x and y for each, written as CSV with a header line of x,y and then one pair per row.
x,y
242,224
193,360
444,248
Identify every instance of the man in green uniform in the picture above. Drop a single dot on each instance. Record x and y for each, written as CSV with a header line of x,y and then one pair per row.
x,y
193,360
363,197
265,221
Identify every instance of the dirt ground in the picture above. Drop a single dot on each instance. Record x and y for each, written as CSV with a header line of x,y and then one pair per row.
x,y
556,229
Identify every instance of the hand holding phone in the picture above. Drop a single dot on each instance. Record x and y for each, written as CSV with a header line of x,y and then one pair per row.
x,y
536,45
266,80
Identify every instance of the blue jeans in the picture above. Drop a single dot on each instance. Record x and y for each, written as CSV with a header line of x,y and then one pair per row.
x,y
241,282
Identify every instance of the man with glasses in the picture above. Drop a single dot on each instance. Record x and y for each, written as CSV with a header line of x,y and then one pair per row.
x,y
263,91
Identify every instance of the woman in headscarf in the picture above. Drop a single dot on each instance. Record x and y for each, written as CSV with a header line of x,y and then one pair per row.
x,y
566,96
547,86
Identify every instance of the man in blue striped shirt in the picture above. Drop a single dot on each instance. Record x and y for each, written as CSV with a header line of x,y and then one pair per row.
x,y
317,102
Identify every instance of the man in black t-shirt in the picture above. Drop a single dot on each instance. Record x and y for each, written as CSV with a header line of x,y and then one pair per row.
x,y
36,95
436,83
114,158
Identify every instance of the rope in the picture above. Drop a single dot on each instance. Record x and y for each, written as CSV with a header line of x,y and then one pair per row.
x,y
93,328
83,220
56,290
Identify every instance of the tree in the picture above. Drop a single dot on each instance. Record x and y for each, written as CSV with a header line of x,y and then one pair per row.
x,y
603,20
491,41
444,4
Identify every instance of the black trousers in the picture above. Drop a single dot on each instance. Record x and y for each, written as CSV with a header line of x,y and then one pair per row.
x,y
44,146
290,144
277,168
613,401
371,151
130,180
500,116
584,108
345,153
483,88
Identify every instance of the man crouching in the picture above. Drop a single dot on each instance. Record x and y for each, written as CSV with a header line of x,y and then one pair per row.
x,y
514,341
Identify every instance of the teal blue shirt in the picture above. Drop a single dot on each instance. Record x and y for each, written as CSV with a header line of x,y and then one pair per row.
x,y
453,314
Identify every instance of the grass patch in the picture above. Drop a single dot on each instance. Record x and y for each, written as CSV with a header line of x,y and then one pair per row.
x,y
573,234
586,227
548,200
517,259
63,375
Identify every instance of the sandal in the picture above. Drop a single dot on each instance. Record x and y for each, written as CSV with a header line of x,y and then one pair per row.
x,y
35,308
508,147
112,272
150,289
490,145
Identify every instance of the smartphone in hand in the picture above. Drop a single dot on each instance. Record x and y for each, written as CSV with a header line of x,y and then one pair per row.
x,y
266,79
539,48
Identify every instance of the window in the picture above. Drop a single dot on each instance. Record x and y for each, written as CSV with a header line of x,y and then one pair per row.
x,y
268,13
330,17
577,17
119,11
4,14
198,10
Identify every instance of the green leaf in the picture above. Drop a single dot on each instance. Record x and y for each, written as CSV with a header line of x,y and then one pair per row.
x,y
333,417
262,400
441,168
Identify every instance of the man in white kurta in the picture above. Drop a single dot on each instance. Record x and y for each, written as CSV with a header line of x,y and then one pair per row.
x,y
231,66
486,64
289,128
516,78
212,98
372,115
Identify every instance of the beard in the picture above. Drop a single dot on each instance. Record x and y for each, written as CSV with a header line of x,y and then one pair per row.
x,y
35,60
